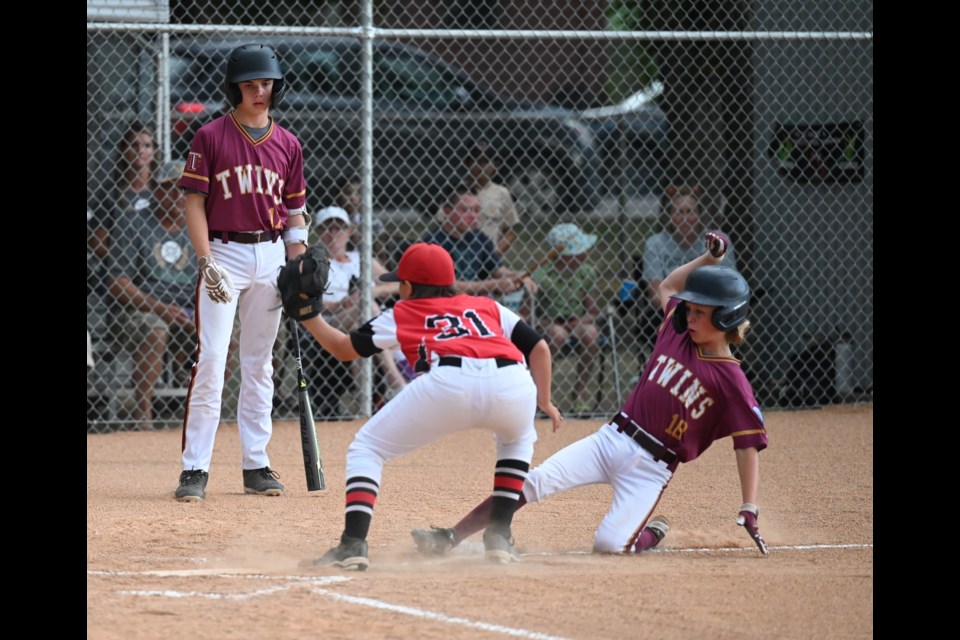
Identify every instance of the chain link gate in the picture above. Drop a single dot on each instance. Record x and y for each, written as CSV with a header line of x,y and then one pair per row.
x,y
639,123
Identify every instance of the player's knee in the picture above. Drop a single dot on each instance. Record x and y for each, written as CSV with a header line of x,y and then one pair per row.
x,y
533,487
605,542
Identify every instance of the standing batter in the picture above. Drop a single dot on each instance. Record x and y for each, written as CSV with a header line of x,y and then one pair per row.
x,y
470,352
691,393
245,189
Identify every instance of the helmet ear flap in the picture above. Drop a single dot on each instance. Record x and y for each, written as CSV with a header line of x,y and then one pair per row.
x,y
729,317
232,93
680,317
279,89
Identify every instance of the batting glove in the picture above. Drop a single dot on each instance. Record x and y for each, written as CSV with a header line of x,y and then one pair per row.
x,y
747,518
717,244
216,280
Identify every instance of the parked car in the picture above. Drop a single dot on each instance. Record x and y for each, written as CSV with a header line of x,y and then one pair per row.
x,y
427,113
642,127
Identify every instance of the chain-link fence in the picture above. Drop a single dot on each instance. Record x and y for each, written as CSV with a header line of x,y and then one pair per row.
x,y
641,123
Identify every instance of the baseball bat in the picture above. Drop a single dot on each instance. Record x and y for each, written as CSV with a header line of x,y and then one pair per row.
x,y
312,463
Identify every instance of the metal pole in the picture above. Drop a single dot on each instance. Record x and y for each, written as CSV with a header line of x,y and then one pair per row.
x,y
163,100
366,194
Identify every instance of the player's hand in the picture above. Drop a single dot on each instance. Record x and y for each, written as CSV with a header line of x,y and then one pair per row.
x,y
717,244
747,518
554,414
530,285
216,280
503,286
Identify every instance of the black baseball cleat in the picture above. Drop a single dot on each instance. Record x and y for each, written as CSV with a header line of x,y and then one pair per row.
x,y
351,553
262,481
434,541
499,547
192,485
659,527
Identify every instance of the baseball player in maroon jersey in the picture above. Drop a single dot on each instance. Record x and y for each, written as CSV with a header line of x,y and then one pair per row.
x,y
470,354
245,215
691,393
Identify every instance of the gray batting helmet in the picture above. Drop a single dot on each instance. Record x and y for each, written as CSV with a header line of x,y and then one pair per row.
x,y
250,62
719,287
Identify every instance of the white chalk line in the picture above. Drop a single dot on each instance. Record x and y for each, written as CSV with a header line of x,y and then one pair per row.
x,y
797,547
208,595
439,617
313,581
378,604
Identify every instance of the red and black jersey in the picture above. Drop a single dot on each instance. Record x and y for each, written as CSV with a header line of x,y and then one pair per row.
x,y
427,328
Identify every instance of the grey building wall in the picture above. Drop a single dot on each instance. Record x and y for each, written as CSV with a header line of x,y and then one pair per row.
x,y
814,242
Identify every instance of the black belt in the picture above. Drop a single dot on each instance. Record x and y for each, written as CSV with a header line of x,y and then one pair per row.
x,y
457,361
644,439
244,237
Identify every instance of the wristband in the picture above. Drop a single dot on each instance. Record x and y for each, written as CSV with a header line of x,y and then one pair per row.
x,y
295,235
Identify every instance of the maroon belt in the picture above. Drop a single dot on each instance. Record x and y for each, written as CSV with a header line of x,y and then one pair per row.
x,y
644,439
244,237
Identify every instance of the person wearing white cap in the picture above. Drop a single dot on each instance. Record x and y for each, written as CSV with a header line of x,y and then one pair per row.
x,y
330,378
567,306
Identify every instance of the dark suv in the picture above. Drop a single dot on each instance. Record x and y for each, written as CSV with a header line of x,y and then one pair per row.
x,y
427,113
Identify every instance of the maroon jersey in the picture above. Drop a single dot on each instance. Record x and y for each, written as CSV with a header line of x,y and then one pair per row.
x,y
469,326
250,186
687,400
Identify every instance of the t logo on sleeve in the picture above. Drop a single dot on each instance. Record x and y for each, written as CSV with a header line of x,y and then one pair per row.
x,y
193,160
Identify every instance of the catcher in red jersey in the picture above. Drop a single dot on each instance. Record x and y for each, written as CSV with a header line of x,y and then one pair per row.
x,y
245,216
691,393
470,353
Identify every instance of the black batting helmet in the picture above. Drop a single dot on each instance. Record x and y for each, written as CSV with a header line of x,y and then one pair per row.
x,y
719,287
250,62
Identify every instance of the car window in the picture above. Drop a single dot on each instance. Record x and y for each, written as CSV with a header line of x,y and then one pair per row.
x,y
323,73
191,78
399,76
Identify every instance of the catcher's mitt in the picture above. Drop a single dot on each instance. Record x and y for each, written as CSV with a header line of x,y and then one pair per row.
x,y
306,274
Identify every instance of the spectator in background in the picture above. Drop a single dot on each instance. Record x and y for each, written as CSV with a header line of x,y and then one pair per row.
x,y
137,164
131,192
153,277
329,377
498,213
348,199
479,270
680,242
567,307
97,243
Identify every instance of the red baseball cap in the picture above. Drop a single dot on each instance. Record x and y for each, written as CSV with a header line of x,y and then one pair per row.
x,y
423,263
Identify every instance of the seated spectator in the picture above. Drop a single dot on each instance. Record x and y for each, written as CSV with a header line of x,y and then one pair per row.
x,y
479,269
567,308
132,187
498,213
153,277
348,199
681,241
97,242
329,377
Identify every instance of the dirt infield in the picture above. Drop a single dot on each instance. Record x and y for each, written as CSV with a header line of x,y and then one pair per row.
x,y
229,567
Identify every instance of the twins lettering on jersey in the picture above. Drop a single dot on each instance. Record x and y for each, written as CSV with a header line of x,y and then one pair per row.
x,y
243,178
681,383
